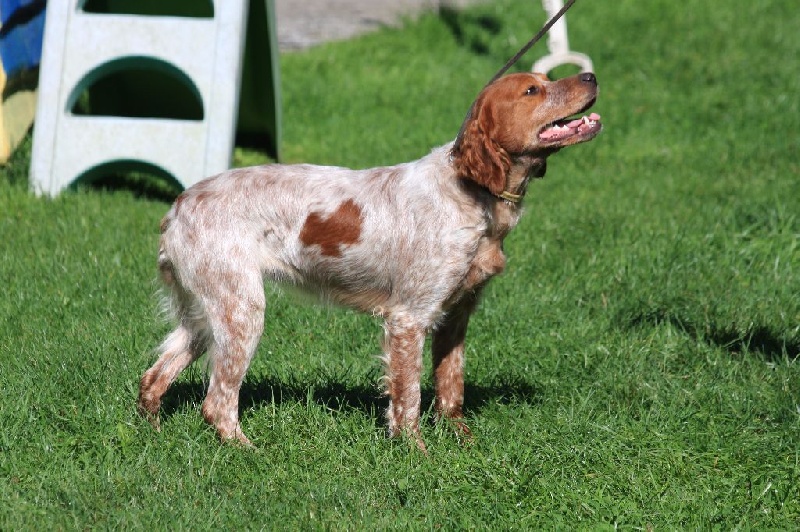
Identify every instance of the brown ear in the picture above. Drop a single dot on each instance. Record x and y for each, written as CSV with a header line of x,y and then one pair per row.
x,y
476,156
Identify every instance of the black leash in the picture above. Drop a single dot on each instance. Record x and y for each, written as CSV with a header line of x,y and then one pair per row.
x,y
522,51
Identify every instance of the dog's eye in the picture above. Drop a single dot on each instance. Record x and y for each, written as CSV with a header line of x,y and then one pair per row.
x,y
532,90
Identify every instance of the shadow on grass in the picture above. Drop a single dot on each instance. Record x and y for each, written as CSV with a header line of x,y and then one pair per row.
x,y
759,339
139,184
343,397
471,30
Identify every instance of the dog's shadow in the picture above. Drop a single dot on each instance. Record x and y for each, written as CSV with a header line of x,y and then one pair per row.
x,y
342,397
759,339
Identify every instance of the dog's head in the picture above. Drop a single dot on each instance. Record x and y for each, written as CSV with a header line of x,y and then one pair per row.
x,y
523,116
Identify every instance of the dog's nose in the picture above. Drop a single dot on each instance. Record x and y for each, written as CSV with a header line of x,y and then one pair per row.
x,y
589,77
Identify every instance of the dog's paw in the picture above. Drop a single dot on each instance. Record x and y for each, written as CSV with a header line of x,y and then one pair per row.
x,y
149,411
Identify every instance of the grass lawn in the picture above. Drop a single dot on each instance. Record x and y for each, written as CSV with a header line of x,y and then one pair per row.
x,y
636,367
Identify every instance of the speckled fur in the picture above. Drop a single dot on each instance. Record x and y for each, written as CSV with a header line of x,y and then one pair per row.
x,y
413,243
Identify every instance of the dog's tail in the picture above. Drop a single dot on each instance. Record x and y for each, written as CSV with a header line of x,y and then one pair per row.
x,y
165,266
177,301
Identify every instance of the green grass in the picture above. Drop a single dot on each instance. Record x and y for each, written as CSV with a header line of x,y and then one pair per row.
x,y
637,365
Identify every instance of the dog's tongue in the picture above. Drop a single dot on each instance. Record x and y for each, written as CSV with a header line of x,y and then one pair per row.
x,y
566,129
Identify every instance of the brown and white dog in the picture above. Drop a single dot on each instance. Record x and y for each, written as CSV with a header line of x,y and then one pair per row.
x,y
413,243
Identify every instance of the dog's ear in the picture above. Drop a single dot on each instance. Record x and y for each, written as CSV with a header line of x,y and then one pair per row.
x,y
477,157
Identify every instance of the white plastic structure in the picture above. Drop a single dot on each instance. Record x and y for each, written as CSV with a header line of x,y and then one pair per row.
x,y
558,44
79,47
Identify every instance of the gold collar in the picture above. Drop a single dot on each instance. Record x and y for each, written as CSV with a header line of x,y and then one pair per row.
x,y
508,196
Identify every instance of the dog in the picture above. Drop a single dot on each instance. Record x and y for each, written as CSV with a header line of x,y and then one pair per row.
x,y
414,244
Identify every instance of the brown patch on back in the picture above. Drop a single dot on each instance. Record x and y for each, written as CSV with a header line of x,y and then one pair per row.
x,y
340,228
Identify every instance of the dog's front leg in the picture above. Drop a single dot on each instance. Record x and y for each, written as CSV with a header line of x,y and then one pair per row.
x,y
448,364
403,343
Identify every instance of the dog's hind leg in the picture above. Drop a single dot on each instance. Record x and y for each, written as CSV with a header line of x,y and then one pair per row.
x,y
235,311
180,348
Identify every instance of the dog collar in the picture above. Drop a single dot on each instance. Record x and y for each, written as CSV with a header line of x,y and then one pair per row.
x,y
504,195
508,196
523,187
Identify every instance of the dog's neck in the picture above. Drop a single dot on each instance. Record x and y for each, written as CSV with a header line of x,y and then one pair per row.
x,y
523,168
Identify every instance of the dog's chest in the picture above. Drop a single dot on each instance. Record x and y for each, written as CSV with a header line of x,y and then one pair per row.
x,y
489,259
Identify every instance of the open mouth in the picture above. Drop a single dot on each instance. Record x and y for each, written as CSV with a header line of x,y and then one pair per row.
x,y
582,128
